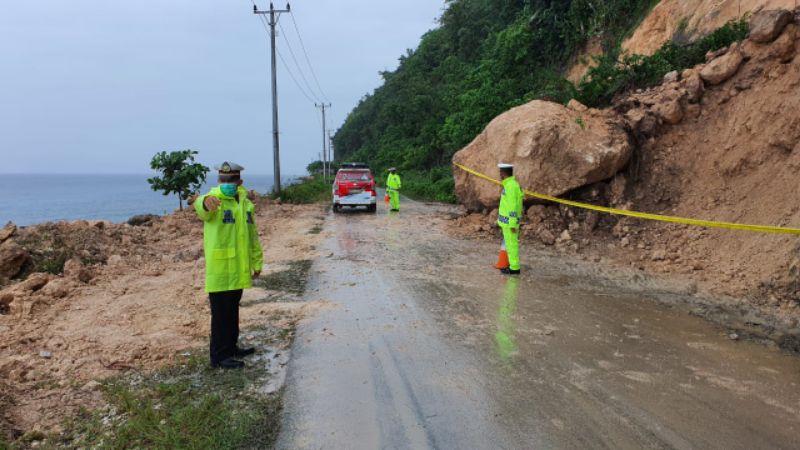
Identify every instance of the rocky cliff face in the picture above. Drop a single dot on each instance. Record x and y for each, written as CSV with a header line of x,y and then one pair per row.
x,y
720,141
688,20
679,20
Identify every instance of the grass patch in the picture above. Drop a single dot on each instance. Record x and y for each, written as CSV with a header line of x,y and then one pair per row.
x,y
311,190
188,405
290,281
436,184
316,229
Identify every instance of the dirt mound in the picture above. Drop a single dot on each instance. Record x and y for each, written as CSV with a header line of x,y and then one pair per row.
x,y
120,297
719,144
554,150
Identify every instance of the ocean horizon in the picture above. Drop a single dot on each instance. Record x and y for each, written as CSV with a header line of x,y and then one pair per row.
x,y
38,198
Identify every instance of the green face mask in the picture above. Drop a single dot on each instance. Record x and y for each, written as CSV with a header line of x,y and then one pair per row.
x,y
229,189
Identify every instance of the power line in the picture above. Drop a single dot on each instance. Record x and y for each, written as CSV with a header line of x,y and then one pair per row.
x,y
291,75
308,61
297,64
285,64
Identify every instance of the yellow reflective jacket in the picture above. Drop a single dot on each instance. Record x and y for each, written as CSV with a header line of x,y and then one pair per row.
x,y
393,182
230,242
510,204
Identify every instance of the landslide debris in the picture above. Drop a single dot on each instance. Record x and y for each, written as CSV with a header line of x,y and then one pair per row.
x,y
118,297
719,141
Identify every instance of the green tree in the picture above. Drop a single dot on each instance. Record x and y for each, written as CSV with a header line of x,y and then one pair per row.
x,y
180,174
485,57
314,168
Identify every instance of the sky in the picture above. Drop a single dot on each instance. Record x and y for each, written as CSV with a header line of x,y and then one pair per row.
x,y
100,87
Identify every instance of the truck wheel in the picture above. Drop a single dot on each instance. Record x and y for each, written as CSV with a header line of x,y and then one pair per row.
x,y
335,208
373,208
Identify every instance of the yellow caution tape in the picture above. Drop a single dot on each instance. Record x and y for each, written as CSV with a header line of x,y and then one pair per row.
x,y
641,215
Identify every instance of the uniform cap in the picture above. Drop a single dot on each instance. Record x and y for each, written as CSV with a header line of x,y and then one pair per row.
x,y
392,169
228,167
505,166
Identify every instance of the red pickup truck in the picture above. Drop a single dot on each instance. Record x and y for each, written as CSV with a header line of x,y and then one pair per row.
x,y
354,186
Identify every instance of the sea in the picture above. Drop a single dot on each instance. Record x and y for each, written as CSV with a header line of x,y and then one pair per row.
x,y
32,199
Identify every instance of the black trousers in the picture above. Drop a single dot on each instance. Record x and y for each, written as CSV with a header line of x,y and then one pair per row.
x,y
224,324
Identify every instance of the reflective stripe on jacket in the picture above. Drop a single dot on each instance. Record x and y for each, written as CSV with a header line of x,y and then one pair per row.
x,y
510,209
230,241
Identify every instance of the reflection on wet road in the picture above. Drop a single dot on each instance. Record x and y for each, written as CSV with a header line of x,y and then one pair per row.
x,y
506,332
427,346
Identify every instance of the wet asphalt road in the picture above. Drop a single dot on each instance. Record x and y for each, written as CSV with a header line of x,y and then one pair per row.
x,y
427,346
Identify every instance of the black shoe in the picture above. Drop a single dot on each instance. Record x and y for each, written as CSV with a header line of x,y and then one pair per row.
x,y
508,271
242,352
228,363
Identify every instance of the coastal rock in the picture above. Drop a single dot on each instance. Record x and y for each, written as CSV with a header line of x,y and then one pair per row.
x,y
57,288
35,282
7,231
75,270
766,26
143,220
553,148
12,259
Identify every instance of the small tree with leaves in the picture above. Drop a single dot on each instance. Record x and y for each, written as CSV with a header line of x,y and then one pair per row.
x,y
180,175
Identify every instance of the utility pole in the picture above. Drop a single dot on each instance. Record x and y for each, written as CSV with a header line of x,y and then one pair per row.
x,y
330,148
274,14
323,106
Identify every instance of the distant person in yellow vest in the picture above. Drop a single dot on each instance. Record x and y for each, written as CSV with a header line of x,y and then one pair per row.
x,y
393,185
509,213
233,258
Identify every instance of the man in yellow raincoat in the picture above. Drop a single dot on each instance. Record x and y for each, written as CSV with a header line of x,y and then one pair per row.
x,y
233,257
509,213
393,185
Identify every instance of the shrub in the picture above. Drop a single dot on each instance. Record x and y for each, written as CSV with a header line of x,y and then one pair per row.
x,y
612,75
309,190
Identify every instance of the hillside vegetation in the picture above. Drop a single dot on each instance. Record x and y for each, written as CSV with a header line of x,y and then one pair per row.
x,y
487,56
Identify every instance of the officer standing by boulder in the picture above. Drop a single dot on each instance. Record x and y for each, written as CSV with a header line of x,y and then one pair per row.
x,y
393,185
509,213
233,257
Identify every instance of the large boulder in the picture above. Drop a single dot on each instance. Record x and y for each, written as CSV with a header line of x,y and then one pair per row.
x,y
12,259
724,67
554,150
766,26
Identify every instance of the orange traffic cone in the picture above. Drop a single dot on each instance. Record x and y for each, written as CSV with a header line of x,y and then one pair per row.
x,y
502,260
386,199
